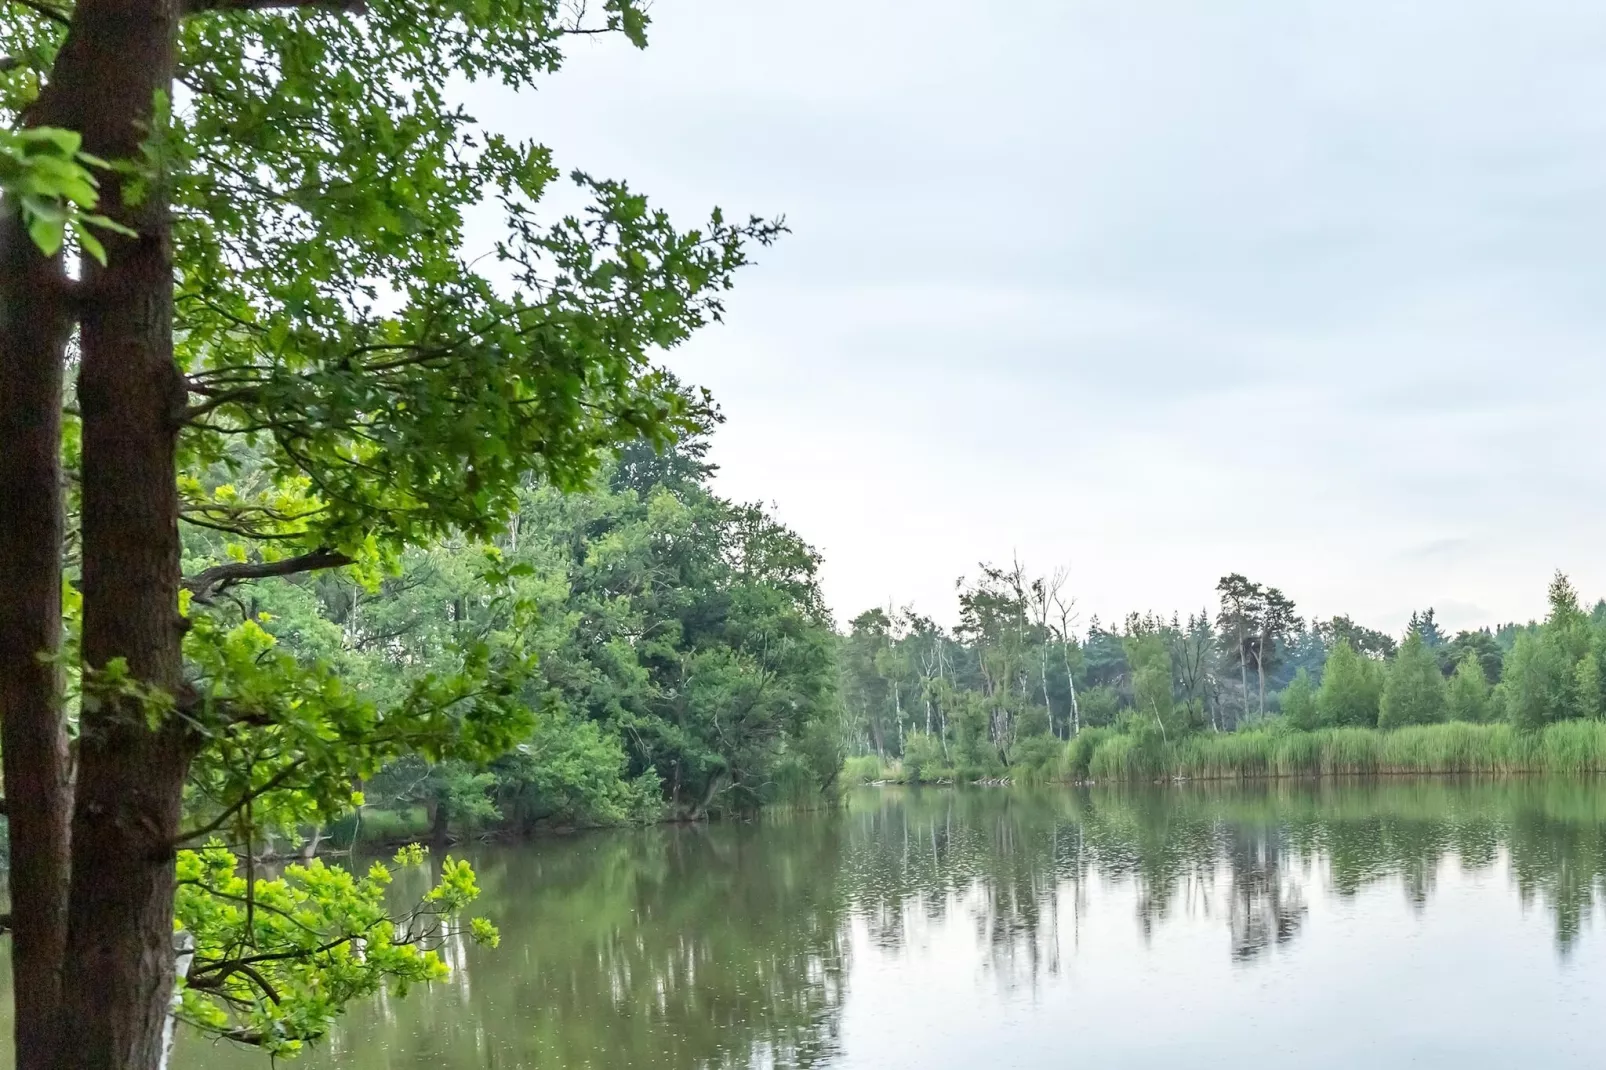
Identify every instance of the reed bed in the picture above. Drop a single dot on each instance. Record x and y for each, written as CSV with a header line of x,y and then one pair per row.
x,y
1566,747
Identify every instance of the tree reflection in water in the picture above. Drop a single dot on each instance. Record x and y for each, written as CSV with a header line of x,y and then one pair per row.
x,y
1016,860
731,945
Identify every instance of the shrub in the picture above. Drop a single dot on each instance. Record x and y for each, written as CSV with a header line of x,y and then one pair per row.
x,y
861,769
923,759
1037,758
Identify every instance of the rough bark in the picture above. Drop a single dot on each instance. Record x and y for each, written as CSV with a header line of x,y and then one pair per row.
x,y
117,975
34,325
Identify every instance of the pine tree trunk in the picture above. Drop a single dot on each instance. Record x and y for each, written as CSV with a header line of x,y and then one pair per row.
x,y
34,325
117,976
1260,670
1243,671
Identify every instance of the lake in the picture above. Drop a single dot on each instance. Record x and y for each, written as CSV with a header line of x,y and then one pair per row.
x,y
1404,923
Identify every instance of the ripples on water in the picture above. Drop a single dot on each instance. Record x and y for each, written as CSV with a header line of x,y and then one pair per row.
x,y
1402,923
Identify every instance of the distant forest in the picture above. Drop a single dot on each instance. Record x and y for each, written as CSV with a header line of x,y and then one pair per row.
x,y
1016,675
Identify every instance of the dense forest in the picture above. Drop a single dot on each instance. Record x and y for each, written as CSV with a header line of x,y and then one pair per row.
x,y
670,648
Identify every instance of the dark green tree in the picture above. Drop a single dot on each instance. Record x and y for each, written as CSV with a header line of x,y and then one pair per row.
x,y
1481,645
1361,639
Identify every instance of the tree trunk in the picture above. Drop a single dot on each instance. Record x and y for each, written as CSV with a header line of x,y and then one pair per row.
x,y
440,823
309,849
1042,664
1243,668
1260,670
34,325
117,976
1070,682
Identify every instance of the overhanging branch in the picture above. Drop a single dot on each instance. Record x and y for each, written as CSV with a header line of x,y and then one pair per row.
x,y
277,780
207,584
46,10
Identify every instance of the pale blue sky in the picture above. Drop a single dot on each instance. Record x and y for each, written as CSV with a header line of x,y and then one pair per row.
x,y
1153,289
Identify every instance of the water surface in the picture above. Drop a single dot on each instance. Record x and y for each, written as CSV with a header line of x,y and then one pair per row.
x,y
1417,923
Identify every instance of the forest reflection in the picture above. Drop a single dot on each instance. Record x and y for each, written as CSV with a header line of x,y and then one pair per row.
x,y
1251,855
733,945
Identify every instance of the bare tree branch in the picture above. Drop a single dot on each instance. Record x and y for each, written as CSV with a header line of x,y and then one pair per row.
x,y
204,585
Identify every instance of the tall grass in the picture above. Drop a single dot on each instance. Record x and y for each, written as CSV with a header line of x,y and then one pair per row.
x,y
1566,747
864,769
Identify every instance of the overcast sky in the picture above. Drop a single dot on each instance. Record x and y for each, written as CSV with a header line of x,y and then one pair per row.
x,y
1155,290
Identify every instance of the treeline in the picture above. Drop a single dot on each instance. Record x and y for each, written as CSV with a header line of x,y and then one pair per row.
x,y
674,657
1014,682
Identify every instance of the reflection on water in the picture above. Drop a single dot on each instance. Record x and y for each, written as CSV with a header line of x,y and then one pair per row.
x,y
951,927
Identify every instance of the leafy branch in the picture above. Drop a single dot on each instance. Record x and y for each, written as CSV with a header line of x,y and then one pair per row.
x,y
45,170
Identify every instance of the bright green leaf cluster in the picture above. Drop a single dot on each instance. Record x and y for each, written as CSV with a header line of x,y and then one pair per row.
x,y
53,185
276,960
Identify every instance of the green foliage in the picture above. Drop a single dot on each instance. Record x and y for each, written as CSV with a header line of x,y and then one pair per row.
x,y
1537,681
1467,695
1100,706
357,393
862,769
1456,747
1299,702
275,960
1481,645
1351,689
1587,692
923,759
1414,692
1150,661
1079,751
1137,753
52,182
1035,759
573,771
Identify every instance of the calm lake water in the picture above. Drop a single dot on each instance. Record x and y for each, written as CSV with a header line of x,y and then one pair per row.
x,y
1412,923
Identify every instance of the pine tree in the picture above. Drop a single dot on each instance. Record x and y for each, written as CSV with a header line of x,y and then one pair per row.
x,y
1414,692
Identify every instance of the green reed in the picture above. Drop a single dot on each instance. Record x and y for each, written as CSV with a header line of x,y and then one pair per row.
x,y
1566,747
